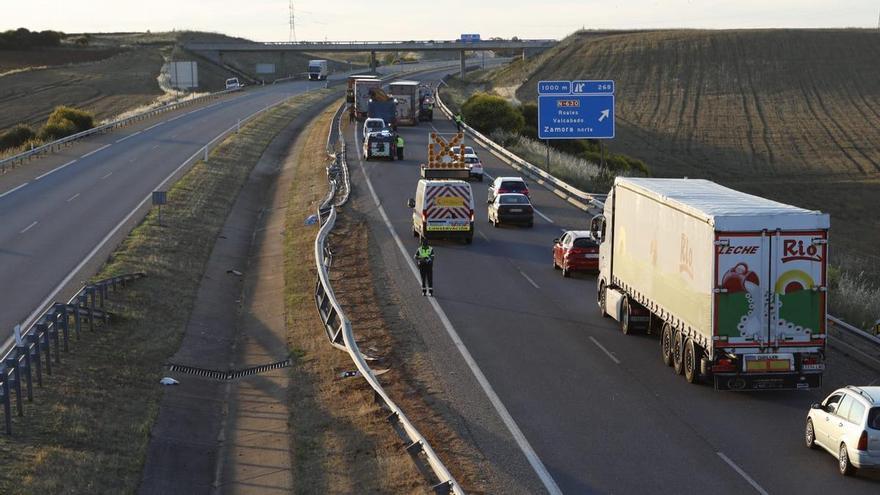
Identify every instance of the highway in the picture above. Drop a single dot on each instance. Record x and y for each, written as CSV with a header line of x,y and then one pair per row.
x,y
598,408
59,210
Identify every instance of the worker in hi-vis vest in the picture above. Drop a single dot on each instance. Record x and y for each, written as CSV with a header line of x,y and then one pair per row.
x,y
458,121
425,259
400,147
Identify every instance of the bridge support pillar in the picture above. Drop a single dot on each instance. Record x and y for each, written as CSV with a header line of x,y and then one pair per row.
x,y
373,61
524,54
462,64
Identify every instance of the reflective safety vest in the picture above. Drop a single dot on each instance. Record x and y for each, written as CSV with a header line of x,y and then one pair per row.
x,y
399,142
425,253
458,118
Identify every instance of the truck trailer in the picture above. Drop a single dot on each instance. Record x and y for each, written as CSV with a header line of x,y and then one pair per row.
x,y
734,284
362,96
349,92
406,93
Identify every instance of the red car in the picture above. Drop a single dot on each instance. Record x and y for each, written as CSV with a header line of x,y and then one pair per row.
x,y
575,250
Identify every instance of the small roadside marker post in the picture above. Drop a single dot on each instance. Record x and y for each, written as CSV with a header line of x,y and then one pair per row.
x,y
159,199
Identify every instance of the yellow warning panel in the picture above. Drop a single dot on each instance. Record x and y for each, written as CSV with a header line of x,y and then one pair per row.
x,y
440,153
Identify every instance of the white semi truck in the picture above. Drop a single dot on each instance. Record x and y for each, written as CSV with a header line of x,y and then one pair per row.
x,y
318,70
734,284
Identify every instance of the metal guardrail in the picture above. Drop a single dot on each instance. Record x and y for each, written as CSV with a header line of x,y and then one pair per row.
x,y
341,335
582,199
13,161
47,336
566,191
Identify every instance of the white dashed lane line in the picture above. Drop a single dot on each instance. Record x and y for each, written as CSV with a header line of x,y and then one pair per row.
x,y
481,234
90,153
129,136
529,279
108,175
29,227
742,473
55,169
606,351
72,197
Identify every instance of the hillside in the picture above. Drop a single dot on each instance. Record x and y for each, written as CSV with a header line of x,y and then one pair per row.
x,y
788,114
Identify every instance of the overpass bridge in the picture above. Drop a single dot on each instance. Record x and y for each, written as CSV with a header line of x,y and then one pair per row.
x,y
215,50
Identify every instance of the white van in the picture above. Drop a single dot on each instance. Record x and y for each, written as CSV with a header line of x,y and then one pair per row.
x,y
233,84
443,209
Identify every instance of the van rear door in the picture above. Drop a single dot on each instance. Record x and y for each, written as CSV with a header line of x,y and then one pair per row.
x,y
448,207
742,282
797,298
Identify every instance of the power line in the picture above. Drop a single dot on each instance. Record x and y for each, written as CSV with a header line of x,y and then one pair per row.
x,y
292,34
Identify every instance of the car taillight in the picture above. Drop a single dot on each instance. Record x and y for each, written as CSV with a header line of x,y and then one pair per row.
x,y
863,441
723,365
526,191
472,215
501,190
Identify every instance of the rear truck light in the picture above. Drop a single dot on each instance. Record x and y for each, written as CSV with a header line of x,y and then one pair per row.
x,y
724,365
472,215
812,362
863,441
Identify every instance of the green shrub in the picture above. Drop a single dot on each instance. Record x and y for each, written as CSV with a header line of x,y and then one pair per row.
x,y
57,130
489,113
81,119
15,137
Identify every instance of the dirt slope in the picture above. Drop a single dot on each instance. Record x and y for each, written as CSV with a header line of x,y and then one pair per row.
x,y
788,114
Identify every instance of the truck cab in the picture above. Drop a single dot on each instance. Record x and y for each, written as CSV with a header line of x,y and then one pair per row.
x,y
318,70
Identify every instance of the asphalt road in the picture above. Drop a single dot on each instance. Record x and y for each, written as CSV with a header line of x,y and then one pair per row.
x,y
599,408
55,211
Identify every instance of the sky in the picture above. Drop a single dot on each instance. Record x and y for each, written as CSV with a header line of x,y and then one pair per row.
x,y
268,20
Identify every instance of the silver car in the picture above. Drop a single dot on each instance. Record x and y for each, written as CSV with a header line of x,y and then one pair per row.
x,y
847,424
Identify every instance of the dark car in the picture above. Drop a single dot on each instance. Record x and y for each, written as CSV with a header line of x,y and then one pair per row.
x,y
511,208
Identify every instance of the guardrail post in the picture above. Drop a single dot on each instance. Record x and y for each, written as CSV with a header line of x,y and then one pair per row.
x,y
65,325
16,373
53,331
101,296
77,317
43,337
23,351
7,407
90,292
38,364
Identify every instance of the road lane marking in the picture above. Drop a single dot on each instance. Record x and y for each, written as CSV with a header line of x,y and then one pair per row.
x,y
108,175
175,118
55,169
500,408
154,146
72,197
29,227
481,234
545,217
129,136
90,153
529,279
742,473
606,351
153,126
14,189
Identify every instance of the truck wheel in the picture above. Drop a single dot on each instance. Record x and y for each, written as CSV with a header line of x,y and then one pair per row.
x,y
691,362
602,294
666,343
625,325
677,358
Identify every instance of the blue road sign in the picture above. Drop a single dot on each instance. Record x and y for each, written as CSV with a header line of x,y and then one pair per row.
x,y
554,87
576,116
592,87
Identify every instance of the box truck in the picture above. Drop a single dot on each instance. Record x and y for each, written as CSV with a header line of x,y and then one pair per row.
x,y
318,70
407,95
362,95
349,92
734,284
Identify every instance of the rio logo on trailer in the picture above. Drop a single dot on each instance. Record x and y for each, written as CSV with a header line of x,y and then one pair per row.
x,y
793,250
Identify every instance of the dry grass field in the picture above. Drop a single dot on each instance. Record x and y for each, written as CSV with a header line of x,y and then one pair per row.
x,y
792,115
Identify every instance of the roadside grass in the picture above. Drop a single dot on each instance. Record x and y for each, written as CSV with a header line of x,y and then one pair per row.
x,y
341,440
854,290
88,428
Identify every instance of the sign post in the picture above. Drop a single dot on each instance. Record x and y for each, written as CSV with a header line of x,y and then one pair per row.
x,y
576,110
159,199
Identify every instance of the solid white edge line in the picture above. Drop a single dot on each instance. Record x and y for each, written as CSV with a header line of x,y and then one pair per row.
x,y
529,279
154,126
55,169
102,148
742,473
509,422
14,189
133,134
29,227
606,351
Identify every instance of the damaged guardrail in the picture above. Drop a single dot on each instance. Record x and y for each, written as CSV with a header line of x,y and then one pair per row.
x,y
31,351
340,332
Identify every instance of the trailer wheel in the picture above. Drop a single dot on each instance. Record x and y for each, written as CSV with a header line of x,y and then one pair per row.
x,y
691,362
677,358
666,343
601,299
625,325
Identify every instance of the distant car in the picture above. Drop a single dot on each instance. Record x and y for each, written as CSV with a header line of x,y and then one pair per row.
x,y
511,208
372,124
576,250
467,150
233,84
475,167
502,185
847,424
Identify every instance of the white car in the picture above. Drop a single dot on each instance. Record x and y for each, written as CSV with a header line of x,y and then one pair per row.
x,y
502,185
475,167
847,424
467,150
372,124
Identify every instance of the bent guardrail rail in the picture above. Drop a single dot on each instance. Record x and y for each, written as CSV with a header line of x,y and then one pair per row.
x,y
23,358
566,191
341,335
12,161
